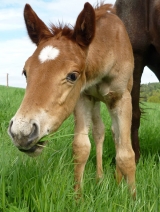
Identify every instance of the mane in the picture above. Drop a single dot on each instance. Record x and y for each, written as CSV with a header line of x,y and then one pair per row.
x,y
102,8
61,29
66,30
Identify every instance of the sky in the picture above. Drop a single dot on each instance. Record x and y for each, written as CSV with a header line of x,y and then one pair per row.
x,y
15,45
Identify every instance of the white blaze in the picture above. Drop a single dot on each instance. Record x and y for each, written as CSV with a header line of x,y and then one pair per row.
x,y
48,53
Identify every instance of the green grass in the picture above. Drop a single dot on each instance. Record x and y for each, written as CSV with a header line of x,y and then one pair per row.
x,y
45,183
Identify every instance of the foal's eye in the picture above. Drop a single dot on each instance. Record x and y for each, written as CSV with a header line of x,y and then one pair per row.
x,y
72,77
24,72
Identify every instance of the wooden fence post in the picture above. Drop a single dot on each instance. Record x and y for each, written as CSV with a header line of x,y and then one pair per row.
x,y
7,80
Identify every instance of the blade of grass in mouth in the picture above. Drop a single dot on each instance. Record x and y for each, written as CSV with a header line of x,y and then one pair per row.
x,y
51,137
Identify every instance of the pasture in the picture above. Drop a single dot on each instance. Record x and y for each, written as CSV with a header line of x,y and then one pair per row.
x,y
45,183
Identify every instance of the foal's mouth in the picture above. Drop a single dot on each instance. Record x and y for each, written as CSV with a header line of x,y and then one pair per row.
x,y
37,146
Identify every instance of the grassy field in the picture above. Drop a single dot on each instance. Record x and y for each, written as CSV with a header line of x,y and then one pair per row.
x,y
45,183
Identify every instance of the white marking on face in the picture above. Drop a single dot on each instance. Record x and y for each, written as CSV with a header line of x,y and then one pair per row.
x,y
48,53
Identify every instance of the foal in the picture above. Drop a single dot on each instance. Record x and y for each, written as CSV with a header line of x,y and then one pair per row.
x,y
73,70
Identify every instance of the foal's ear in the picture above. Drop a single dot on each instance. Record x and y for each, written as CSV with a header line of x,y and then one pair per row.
x,y
36,28
85,26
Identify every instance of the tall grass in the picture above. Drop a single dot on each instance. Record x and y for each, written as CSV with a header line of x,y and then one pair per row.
x,y
45,183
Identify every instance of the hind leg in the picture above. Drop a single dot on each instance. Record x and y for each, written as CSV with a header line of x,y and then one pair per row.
x,y
118,173
136,112
98,132
121,114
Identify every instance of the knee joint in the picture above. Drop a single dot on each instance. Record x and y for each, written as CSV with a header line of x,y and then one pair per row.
x,y
81,151
126,161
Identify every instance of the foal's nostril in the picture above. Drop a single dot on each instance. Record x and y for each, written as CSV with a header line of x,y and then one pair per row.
x,y
23,133
34,133
9,129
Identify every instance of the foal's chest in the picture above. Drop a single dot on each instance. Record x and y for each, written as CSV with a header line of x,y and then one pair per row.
x,y
104,91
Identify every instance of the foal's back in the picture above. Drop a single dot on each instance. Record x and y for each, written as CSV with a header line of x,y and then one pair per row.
x,y
110,56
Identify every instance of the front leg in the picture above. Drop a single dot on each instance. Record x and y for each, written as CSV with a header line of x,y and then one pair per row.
x,y
81,143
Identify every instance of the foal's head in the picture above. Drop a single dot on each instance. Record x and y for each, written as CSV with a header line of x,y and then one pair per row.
x,y
55,75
